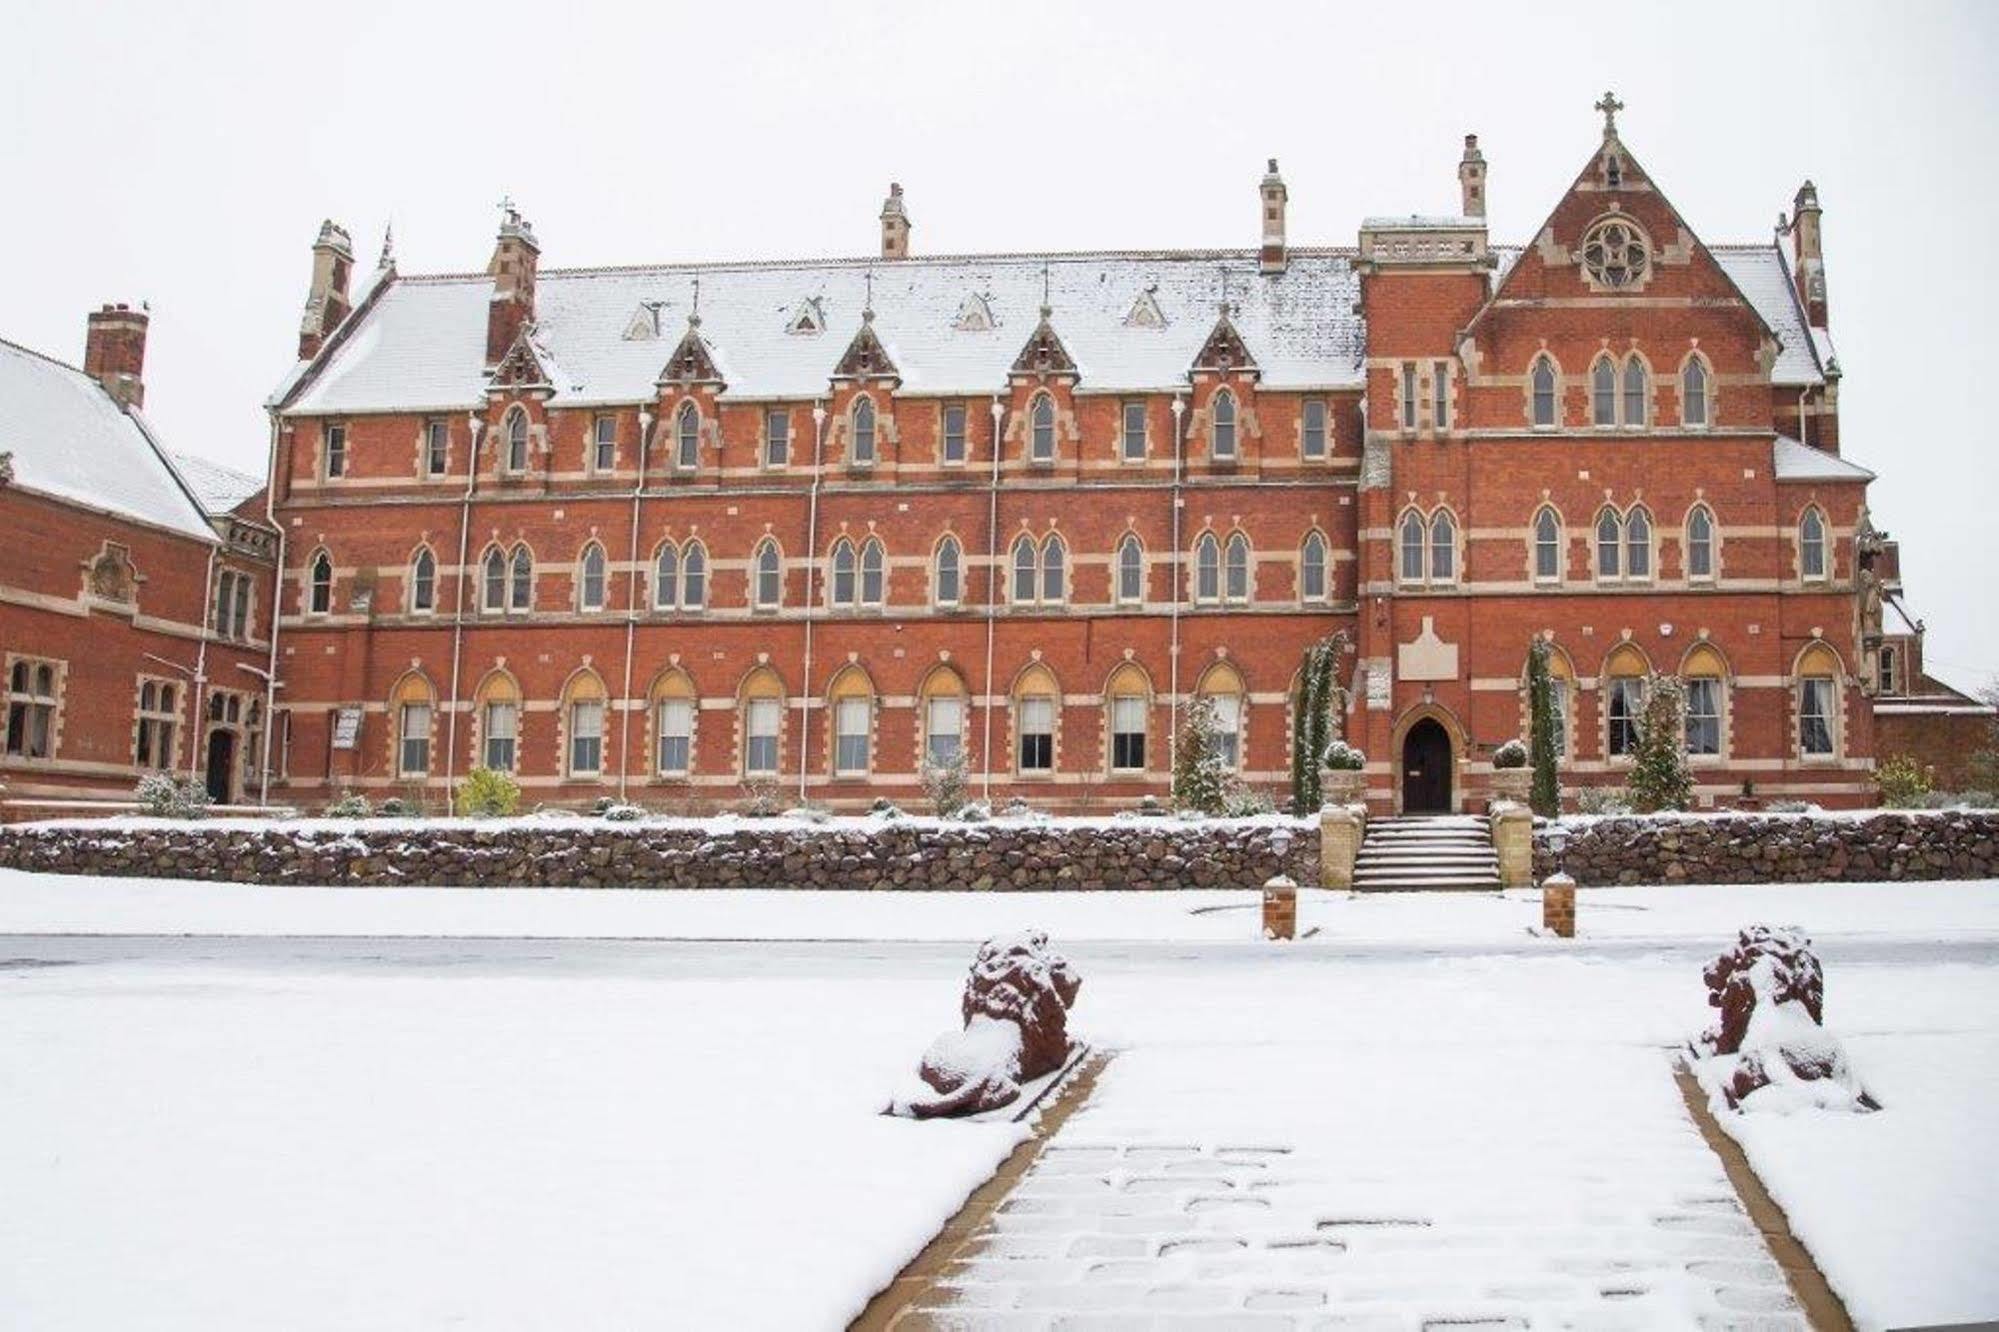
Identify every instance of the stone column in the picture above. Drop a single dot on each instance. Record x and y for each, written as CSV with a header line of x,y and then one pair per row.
x,y
1513,843
1558,905
1280,908
1340,832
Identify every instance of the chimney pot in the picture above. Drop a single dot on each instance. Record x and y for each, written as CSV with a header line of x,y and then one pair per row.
x,y
114,352
1471,179
1273,256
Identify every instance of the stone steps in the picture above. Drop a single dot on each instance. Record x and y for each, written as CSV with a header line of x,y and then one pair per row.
x,y
1427,854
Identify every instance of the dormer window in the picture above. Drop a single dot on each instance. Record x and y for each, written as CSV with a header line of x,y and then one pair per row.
x,y
974,315
1616,255
863,452
806,318
1041,447
687,428
1223,449
517,440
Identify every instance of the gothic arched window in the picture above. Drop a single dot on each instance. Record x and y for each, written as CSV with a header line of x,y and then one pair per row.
x,y
1237,561
1207,568
1224,445
687,432
1543,384
322,584
1547,545
1041,446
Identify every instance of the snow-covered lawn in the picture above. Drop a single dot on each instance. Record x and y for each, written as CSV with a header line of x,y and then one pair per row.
x,y
510,1123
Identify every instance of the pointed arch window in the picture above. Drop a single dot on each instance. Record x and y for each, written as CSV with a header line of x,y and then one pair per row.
x,y
591,579
521,584
1128,702
1624,700
694,576
863,452
675,705
1818,702
1812,562
666,578
1224,444
948,582
1603,392
584,712
1703,674
423,581
1637,393
1237,569
1223,689
1025,562
517,440
321,590
1638,544
1207,569
1547,546
687,437
499,712
1414,535
1543,384
1130,571
1700,544
1694,394
853,704
1054,570
943,718
1036,710
1041,420
1312,568
1443,548
874,573
1609,544
843,572
494,578
769,576
413,702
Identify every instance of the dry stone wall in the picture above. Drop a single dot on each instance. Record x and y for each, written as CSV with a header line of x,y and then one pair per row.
x,y
1001,855
1777,848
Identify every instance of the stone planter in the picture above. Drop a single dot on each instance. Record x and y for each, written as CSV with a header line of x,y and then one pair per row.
x,y
1341,786
1512,784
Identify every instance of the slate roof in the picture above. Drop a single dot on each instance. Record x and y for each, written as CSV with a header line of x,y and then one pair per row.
x,y
219,489
1792,461
71,441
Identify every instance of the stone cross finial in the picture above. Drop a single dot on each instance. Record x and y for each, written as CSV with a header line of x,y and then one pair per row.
x,y
694,310
868,306
508,213
1047,305
1610,106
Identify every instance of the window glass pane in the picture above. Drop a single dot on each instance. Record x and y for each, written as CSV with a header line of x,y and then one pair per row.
x,y
1312,569
1544,393
954,434
864,431
523,583
843,574
666,578
851,735
1609,544
1315,428
1625,703
606,453
1440,407
1815,713
777,437
586,736
944,729
1134,431
873,573
1412,549
947,573
416,737
1811,545
1037,733
1638,545
689,449
1703,716
1224,441
496,581
501,720
1558,700
1443,548
1238,568
1207,570
676,734
1693,394
1043,442
1128,732
1054,579
1547,546
1023,570
769,583
1228,729
1700,545
593,578
694,578
1634,392
1131,570
1603,393
1408,396
760,726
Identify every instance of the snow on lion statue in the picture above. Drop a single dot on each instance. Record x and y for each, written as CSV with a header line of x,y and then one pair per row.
x,y
1016,1012
1768,1048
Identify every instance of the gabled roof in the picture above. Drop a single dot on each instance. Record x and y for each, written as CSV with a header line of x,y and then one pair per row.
x,y
71,441
420,344
865,357
1224,349
1044,353
220,490
693,361
1792,461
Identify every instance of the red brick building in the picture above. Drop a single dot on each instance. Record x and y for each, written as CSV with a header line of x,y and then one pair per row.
x,y
665,532
135,596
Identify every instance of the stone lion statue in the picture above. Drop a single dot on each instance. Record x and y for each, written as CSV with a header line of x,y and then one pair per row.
x,y
1770,990
1016,1013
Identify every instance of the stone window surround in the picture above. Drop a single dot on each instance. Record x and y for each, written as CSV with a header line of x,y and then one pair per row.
x,y
166,719
756,687
943,681
857,553
313,581
1542,356
755,600
412,687
1429,518
851,682
508,554
1836,722
681,550
1129,538
672,684
1639,237
1620,366
580,580
56,717
1533,535
1624,576
1325,566
1713,574
584,685
497,686
1826,540
410,574
1041,547
937,600
1018,693
424,471
1117,685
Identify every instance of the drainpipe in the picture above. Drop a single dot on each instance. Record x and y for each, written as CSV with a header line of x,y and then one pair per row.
x,y
201,659
277,604
1804,435
458,615
1173,641
631,613
992,605
811,601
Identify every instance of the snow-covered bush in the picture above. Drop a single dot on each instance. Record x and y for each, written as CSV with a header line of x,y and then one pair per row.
x,y
1200,777
166,798
1343,757
1016,808
1152,807
617,812
762,798
350,805
945,782
488,794
1512,754
1601,800
1660,778
1959,800
884,808
973,811
1791,807
809,813
1243,802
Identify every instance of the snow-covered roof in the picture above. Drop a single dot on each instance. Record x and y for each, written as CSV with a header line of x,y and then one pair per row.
x,y
70,440
422,345
1419,222
1792,461
220,489
1761,273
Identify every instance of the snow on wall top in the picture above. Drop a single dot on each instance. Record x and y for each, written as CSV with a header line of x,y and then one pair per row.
x,y
1765,279
70,440
422,346
220,489
1792,461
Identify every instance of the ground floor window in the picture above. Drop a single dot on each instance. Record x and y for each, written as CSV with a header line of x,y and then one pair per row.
x,y
1625,701
586,737
1558,704
31,709
1704,716
502,734
676,736
760,723
850,737
944,731
1037,734
413,754
158,716
1128,733
1815,716
1228,729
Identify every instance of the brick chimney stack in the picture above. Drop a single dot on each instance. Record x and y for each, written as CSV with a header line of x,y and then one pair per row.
x,y
114,352
326,304
1272,257
516,254
1809,259
1471,179
895,225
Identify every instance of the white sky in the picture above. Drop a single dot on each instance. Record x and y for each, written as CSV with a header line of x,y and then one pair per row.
x,y
185,156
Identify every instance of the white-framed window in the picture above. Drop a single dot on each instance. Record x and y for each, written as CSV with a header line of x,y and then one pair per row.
x,y
1609,544
1041,429
1132,441
436,447
1700,544
158,723
1228,730
777,437
586,737
675,751
1223,445
33,705
1443,548
1414,536
1703,715
1547,546
516,431
1312,568
1440,395
520,588
493,581
1817,715
1130,570
1236,561
1603,392
1036,727
1812,562
761,717
1054,570
693,576
423,581
1694,394
953,451
862,452
666,577
336,449
1637,393
591,579
604,443
874,572
769,576
850,735
1545,386
413,748
1638,544
687,437
320,595
1128,733
1026,569
947,584
1624,702
232,604
1207,569
1408,395
1313,440
841,583
944,728
499,736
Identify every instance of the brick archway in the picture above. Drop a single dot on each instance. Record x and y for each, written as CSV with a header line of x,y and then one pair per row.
x,y
1454,744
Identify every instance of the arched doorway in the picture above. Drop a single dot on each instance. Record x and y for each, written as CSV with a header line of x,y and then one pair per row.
x,y
221,764
1426,768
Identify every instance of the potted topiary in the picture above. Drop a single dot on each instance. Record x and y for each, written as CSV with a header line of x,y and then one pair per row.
x,y
1512,779
1346,777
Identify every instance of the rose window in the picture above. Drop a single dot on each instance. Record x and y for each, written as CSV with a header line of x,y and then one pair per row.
x,y
1615,254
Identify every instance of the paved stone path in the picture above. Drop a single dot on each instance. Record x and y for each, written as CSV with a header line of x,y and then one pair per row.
x,y
1479,1189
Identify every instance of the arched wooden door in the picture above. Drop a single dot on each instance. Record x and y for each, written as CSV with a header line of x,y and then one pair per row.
x,y
1426,769
221,764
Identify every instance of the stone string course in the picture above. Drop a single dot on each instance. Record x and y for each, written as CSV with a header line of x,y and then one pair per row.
x,y
1776,848
1000,856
